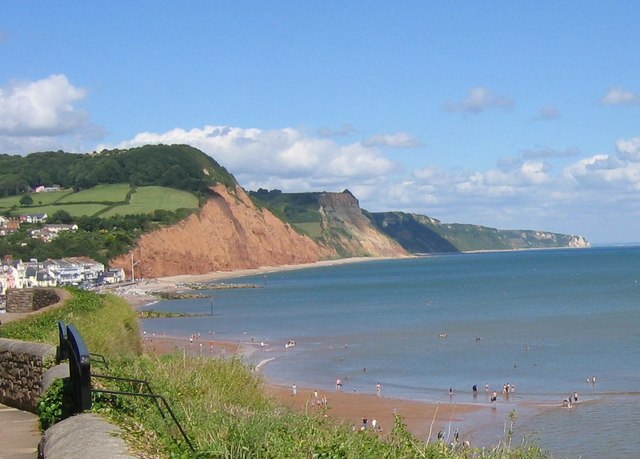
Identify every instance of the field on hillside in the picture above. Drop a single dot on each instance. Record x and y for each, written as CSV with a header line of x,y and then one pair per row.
x,y
149,198
39,199
100,193
103,201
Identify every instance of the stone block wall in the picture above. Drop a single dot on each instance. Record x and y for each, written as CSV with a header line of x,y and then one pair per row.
x,y
30,299
22,366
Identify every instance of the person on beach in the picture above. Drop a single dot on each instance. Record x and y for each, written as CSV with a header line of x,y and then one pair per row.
x,y
575,396
294,389
378,389
338,384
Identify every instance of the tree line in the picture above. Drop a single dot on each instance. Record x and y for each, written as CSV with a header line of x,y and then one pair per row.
x,y
176,166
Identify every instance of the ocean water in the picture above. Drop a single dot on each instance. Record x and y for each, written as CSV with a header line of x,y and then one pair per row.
x,y
544,321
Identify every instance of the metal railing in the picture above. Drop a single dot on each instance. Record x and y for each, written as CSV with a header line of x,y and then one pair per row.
x,y
73,348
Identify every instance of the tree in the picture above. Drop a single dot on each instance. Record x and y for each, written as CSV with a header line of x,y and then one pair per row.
x,y
61,216
26,201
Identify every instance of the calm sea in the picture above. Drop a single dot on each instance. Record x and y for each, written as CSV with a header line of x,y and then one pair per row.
x,y
544,321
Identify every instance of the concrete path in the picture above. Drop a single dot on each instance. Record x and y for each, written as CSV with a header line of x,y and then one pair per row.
x,y
19,434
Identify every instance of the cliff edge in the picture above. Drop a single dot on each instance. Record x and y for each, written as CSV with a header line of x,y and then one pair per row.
x,y
229,233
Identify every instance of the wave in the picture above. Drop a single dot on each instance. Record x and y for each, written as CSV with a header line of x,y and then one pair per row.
x,y
262,363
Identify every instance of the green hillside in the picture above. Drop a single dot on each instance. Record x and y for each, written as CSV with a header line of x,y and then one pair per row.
x,y
103,201
302,210
422,234
176,166
415,233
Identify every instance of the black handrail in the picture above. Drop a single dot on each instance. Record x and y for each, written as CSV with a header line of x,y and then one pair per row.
x,y
73,348
79,369
62,350
99,358
131,380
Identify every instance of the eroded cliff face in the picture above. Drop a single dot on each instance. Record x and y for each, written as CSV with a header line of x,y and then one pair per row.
x,y
358,236
230,233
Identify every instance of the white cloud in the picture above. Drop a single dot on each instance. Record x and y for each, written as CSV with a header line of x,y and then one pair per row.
x,y
604,170
529,192
43,114
266,156
479,100
629,148
620,96
397,140
44,107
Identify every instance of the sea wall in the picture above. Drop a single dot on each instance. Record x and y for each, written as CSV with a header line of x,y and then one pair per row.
x,y
22,367
30,299
23,379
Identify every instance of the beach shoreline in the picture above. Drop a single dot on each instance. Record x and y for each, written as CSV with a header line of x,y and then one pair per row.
x,y
143,292
424,419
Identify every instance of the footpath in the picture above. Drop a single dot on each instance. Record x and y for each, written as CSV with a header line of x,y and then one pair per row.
x,y
19,434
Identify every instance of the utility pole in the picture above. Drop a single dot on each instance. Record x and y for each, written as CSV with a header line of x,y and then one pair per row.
x,y
133,277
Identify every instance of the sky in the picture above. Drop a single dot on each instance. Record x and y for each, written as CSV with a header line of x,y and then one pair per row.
x,y
508,114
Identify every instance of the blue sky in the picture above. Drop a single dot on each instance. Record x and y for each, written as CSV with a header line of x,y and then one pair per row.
x,y
516,115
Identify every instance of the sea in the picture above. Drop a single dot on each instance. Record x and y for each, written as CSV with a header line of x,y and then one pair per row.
x,y
549,323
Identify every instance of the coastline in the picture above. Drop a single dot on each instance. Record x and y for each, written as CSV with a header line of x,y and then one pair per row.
x,y
141,292
424,419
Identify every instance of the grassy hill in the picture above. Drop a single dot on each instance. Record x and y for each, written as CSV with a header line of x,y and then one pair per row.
x,y
422,234
175,166
103,201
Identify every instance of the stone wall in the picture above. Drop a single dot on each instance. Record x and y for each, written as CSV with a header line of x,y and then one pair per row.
x,y
30,299
22,366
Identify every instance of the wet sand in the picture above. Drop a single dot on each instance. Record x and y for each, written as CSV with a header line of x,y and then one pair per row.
x,y
424,420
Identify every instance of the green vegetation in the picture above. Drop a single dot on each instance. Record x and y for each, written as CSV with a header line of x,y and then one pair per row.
x,y
109,194
107,227
220,403
39,199
147,200
302,210
421,234
113,196
107,323
105,201
176,166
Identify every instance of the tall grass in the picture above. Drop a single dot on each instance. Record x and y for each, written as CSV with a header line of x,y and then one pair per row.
x,y
107,323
